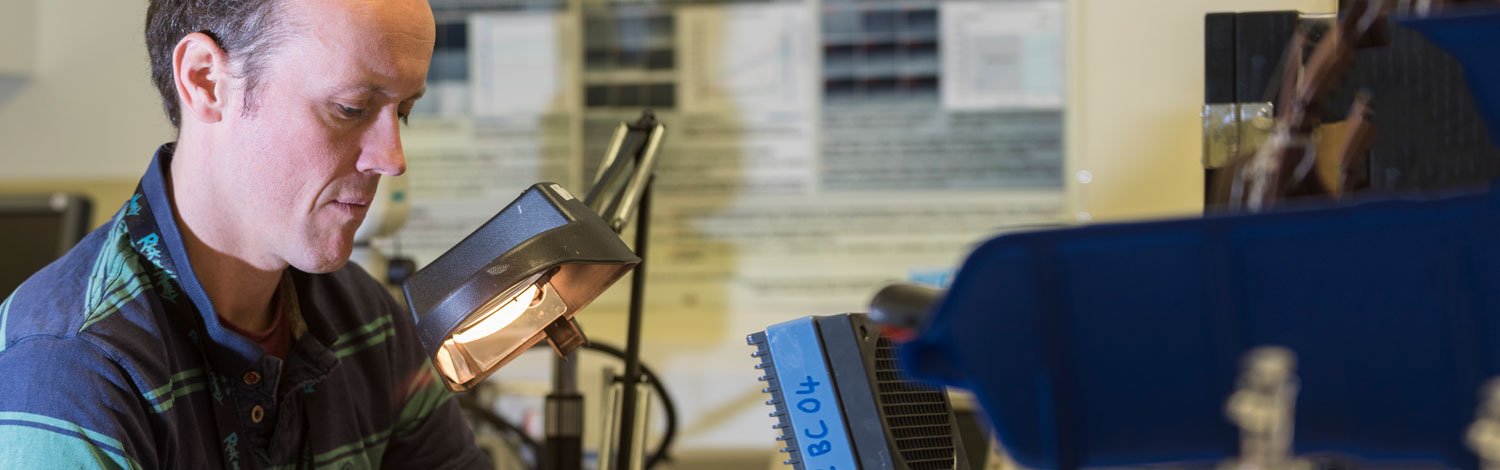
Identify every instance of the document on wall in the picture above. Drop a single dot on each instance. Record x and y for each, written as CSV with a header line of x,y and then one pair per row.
x,y
897,146
717,156
999,55
748,101
519,63
748,58
462,172
792,256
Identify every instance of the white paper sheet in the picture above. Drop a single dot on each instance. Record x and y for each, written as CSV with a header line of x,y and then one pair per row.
x,y
748,95
1000,55
519,63
770,256
748,58
463,171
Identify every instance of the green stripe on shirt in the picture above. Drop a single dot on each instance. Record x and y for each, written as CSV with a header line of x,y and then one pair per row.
x,y
347,337
176,387
357,451
47,445
116,277
173,381
179,393
349,343
422,402
373,340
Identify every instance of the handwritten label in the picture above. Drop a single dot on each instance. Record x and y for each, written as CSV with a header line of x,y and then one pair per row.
x,y
811,398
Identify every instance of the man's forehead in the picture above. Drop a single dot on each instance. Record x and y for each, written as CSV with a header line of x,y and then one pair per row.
x,y
402,7
381,47
391,22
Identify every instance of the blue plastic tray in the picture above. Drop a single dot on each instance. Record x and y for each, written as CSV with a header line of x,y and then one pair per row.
x,y
1119,344
1473,37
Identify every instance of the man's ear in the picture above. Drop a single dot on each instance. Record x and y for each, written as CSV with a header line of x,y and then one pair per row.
x,y
201,71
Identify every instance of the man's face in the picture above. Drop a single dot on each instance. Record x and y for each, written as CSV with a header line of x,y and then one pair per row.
x,y
302,167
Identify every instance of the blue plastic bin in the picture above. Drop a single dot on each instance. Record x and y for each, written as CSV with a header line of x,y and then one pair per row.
x,y
1119,344
1473,37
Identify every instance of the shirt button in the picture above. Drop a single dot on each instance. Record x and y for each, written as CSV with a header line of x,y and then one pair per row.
x,y
257,414
252,378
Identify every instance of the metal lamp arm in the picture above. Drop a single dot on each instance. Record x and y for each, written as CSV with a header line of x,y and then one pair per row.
x,y
627,167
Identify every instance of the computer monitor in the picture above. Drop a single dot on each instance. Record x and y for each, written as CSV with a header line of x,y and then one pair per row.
x,y
36,229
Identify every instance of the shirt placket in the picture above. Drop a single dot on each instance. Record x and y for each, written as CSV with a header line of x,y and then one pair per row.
x,y
310,363
256,387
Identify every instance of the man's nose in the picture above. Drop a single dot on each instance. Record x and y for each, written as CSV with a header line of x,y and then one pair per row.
x,y
381,152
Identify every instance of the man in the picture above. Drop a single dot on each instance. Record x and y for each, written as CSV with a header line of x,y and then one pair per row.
x,y
214,321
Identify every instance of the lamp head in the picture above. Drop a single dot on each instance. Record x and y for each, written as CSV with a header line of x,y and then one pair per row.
x,y
515,281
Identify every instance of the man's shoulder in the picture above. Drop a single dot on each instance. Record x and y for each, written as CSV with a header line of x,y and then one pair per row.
x,y
84,350
73,404
97,279
95,296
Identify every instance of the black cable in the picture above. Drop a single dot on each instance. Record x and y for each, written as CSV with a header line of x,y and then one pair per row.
x,y
668,406
468,403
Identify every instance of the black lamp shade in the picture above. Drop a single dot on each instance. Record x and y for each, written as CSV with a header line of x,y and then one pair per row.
x,y
545,238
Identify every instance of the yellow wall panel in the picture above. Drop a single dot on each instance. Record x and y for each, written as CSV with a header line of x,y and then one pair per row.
x,y
1135,93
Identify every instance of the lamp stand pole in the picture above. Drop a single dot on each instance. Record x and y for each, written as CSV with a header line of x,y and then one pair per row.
x,y
564,407
632,377
564,411
563,448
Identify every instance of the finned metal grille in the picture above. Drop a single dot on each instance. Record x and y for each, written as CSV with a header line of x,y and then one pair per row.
x,y
783,425
917,416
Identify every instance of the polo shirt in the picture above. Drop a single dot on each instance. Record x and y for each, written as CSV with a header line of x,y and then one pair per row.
x,y
103,365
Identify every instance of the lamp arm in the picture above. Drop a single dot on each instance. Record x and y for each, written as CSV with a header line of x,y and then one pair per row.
x,y
628,164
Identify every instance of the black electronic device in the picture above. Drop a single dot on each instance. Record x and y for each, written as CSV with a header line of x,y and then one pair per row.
x,y
842,401
35,230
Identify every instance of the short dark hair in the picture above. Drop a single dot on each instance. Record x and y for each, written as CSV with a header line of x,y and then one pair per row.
x,y
247,30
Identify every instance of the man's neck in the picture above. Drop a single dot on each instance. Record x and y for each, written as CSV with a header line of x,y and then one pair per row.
x,y
239,280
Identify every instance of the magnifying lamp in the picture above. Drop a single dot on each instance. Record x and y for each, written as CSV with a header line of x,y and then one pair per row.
x,y
515,281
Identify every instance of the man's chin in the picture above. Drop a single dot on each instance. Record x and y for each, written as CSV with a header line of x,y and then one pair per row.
x,y
324,261
323,267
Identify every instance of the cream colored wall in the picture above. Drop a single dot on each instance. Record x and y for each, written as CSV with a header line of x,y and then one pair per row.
x,y
17,38
1134,99
84,118
88,111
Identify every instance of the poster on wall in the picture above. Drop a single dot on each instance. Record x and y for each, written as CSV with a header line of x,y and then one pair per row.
x,y
814,152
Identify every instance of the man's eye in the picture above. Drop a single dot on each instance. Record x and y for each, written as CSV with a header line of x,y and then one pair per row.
x,y
405,119
351,112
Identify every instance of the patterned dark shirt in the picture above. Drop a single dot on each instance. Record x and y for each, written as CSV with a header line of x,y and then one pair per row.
x,y
95,373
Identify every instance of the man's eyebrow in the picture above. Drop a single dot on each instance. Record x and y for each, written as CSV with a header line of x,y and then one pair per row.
x,y
380,90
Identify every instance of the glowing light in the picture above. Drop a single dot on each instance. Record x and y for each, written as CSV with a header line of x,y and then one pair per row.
x,y
502,330
499,318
